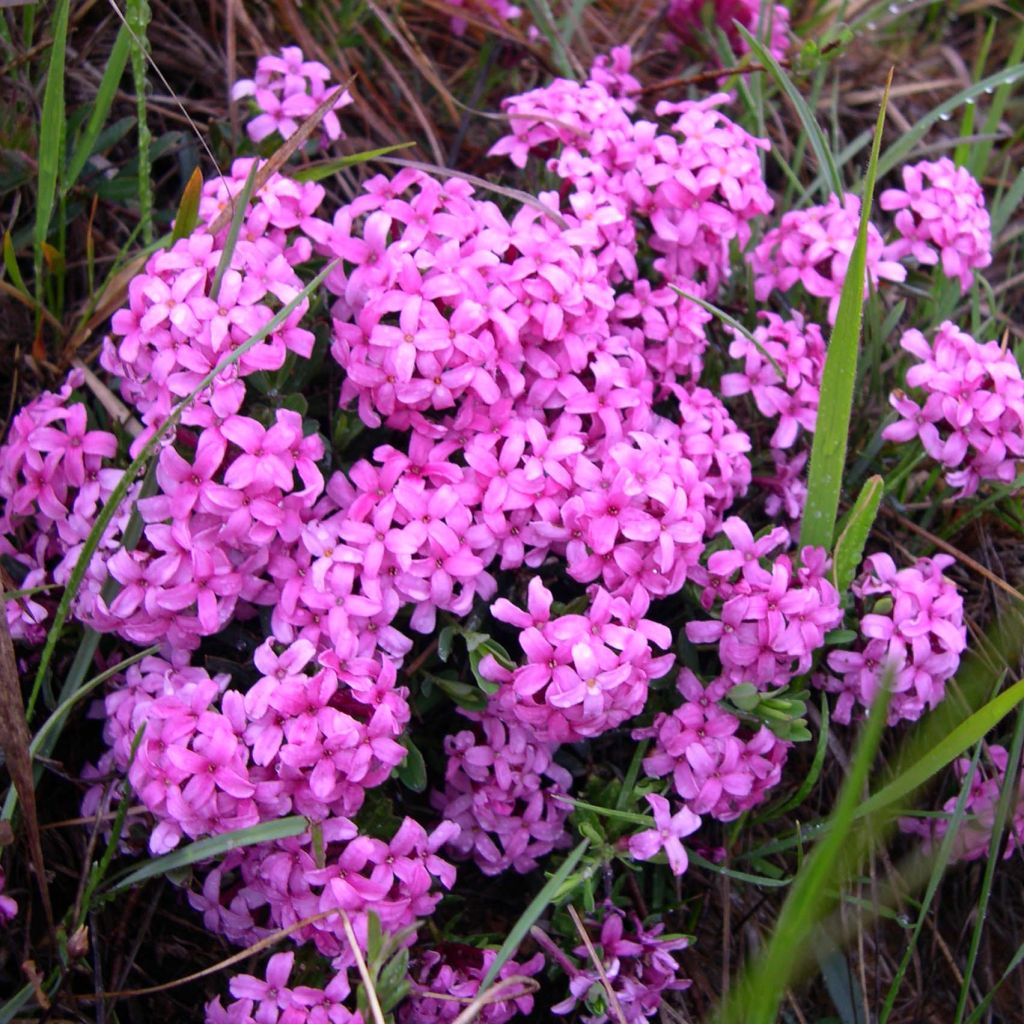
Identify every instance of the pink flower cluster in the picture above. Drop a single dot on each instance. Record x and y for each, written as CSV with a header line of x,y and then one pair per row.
x,y
768,20
812,248
692,188
55,474
719,766
975,836
285,90
772,620
454,972
639,965
798,351
911,624
941,218
972,418
259,1001
502,790
584,674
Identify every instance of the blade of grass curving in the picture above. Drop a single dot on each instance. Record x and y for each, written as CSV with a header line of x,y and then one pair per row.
x,y
854,534
544,19
100,109
117,496
532,913
977,163
904,145
325,168
1009,795
826,163
241,206
756,998
938,870
207,849
945,750
51,137
831,434
733,323
138,14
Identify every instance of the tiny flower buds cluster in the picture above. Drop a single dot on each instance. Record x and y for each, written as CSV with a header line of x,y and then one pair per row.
x,y
502,790
285,90
812,248
585,674
972,419
715,770
454,970
941,218
912,627
685,20
974,839
798,351
773,619
638,965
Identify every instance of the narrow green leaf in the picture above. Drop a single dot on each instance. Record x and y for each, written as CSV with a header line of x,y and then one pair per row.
x,y
980,154
828,453
105,94
137,16
412,772
51,129
215,846
325,168
946,750
532,913
755,1000
904,145
815,136
854,535
544,19
11,265
234,229
187,216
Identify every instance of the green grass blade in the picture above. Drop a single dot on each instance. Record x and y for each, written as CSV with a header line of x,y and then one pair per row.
x,y
854,534
938,869
963,150
215,846
237,216
544,19
901,149
946,750
1008,205
828,453
117,496
325,168
51,135
826,164
100,109
1008,798
530,915
977,164
187,217
756,998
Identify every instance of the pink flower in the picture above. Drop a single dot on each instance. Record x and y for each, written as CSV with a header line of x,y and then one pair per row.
x,y
670,829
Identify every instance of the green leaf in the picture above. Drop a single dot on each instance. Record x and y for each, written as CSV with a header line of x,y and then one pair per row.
x,y
472,698
756,998
854,535
51,129
187,217
11,265
86,145
215,846
826,163
237,216
532,913
946,750
412,772
828,453
325,168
